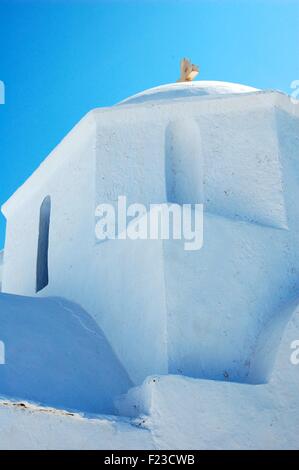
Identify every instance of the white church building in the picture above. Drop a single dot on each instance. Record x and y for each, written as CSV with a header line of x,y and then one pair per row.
x,y
217,312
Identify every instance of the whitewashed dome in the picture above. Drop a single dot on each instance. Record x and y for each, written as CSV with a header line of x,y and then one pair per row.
x,y
187,89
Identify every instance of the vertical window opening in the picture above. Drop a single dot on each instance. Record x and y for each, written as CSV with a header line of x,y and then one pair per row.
x,y
42,273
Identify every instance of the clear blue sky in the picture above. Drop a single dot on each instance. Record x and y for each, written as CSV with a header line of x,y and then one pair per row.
x,y
59,59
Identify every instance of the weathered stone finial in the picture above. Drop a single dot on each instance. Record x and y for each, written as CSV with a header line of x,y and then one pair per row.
x,y
188,71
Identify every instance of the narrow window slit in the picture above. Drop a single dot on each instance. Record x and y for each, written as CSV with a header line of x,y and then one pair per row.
x,y
42,272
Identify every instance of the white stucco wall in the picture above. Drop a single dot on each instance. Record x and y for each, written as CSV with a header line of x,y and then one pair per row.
x,y
157,304
68,180
24,426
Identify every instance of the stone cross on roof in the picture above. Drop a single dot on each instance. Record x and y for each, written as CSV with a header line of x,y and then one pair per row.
x,y
188,71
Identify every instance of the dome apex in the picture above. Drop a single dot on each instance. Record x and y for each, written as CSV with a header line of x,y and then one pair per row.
x,y
187,89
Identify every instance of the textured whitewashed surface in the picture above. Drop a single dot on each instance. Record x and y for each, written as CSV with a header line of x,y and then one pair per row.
x,y
183,90
216,314
29,427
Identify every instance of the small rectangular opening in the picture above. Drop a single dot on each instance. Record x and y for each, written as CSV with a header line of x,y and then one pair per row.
x,y
42,272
